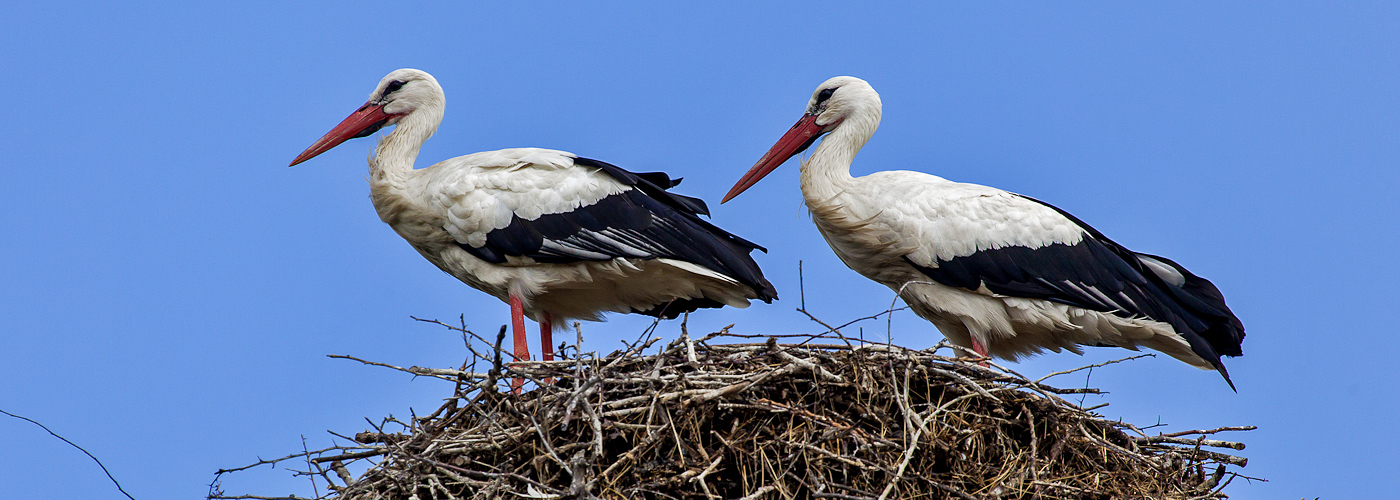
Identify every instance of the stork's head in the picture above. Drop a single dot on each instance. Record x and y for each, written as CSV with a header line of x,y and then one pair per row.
x,y
406,95
839,98
834,102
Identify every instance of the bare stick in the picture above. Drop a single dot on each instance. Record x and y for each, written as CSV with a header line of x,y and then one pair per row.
x,y
758,493
1201,441
386,365
1096,365
307,454
1212,431
801,289
75,445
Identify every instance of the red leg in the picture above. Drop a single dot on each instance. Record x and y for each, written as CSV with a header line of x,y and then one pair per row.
x,y
546,337
547,341
522,350
980,349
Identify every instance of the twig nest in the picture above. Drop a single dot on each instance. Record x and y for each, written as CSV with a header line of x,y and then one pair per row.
x,y
821,419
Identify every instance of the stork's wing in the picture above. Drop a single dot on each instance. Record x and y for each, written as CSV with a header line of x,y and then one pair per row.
x,y
1015,246
1196,300
591,211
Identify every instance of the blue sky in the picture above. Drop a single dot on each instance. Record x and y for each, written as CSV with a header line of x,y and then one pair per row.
x,y
171,288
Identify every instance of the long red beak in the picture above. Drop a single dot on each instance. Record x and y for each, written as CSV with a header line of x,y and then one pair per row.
x,y
364,121
797,138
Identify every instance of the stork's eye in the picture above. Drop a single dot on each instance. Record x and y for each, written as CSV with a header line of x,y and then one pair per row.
x,y
393,86
824,95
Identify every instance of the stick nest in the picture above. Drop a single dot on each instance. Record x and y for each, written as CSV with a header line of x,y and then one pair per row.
x,y
708,419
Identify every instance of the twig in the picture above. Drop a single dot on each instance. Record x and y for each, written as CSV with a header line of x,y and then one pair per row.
x,y
1096,365
1212,431
1201,441
759,492
75,445
307,454
399,368
801,289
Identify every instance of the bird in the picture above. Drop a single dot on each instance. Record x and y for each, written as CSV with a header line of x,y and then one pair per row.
x,y
555,235
998,273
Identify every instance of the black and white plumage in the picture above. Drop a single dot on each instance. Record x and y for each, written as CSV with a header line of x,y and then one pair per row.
x,y
556,236
999,273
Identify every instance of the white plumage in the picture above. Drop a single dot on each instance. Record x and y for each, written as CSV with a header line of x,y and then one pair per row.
x,y
996,272
554,235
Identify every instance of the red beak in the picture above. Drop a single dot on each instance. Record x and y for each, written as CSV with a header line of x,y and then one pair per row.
x,y
364,121
797,139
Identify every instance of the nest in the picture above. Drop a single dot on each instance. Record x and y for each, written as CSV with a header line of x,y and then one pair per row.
x,y
725,417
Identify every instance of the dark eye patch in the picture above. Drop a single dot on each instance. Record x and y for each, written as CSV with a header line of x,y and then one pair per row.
x,y
825,94
392,87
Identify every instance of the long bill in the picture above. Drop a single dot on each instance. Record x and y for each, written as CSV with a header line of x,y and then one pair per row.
x,y
797,139
364,121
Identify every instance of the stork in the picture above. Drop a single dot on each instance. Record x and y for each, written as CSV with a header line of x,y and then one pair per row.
x,y
555,235
998,273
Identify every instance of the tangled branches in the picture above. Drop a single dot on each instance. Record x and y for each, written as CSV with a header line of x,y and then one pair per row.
x,y
823,418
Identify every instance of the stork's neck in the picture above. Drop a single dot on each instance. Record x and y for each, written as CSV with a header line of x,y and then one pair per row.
x,y
394,155
827,173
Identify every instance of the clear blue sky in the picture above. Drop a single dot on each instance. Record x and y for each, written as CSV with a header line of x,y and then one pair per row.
x,y
171,288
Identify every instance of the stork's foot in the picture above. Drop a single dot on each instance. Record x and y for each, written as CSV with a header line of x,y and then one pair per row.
x,y
973,358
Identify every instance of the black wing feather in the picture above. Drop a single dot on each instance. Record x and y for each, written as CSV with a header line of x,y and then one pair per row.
x,y
1070,274
654,184
646,222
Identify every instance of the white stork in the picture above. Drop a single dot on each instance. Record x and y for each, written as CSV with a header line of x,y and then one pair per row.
x,y
554,235
999,273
